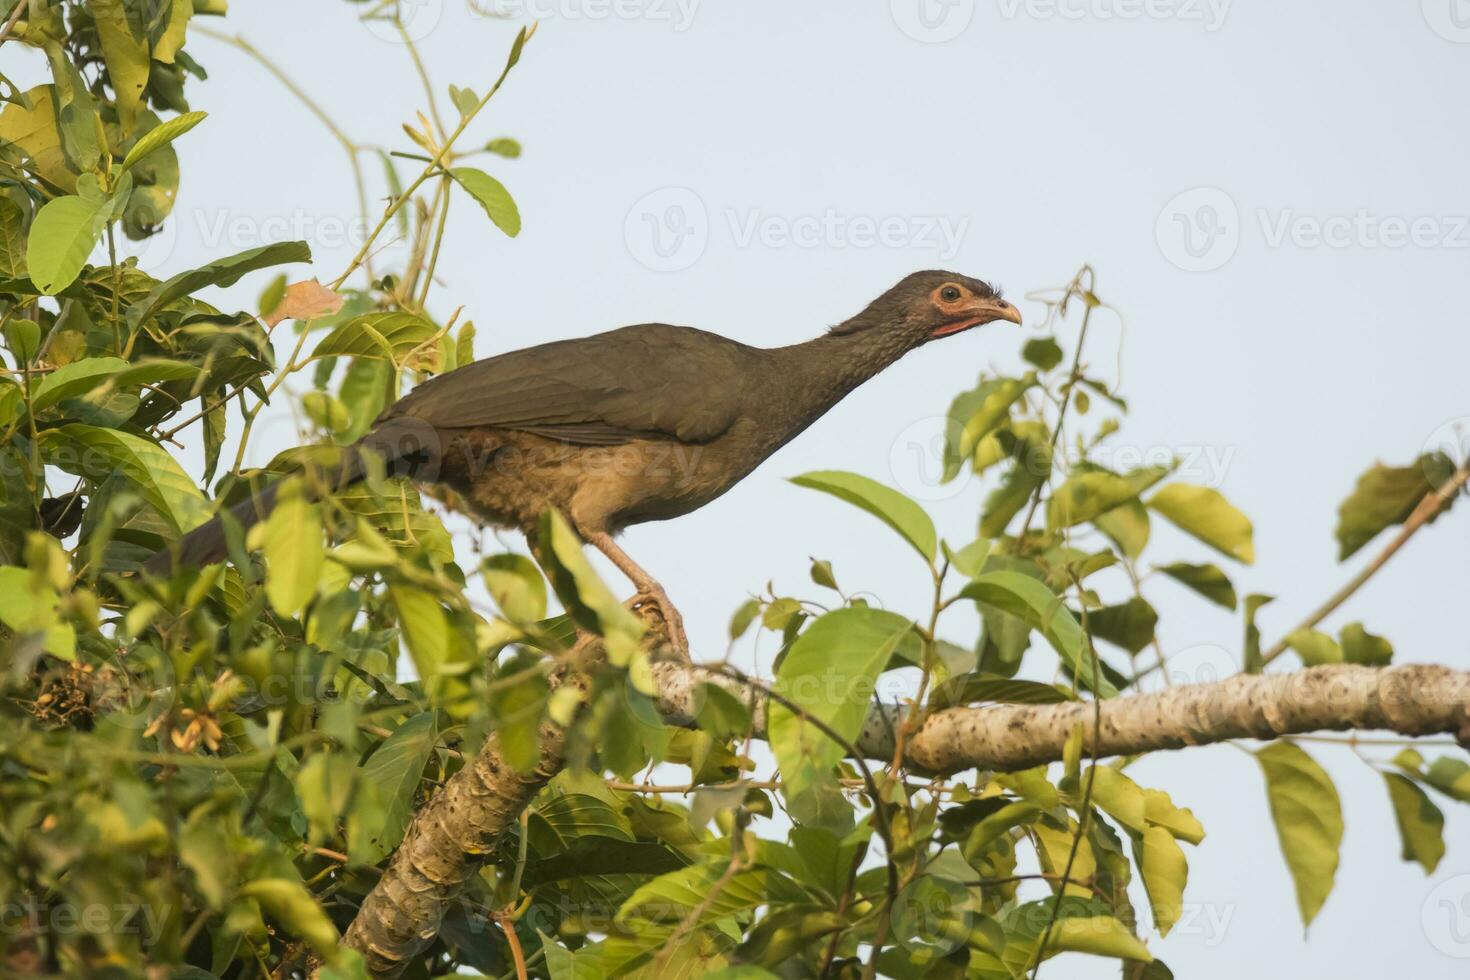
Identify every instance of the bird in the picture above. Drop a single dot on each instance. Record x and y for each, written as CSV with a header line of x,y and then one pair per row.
x,y
642,423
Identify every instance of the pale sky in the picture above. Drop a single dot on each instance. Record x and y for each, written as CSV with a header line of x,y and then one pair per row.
x,y
1273,195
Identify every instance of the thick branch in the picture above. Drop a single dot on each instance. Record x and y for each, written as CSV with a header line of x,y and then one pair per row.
x,y
1410,700
452,833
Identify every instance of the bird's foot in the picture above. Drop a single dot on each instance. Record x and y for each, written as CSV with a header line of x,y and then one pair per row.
x,y
654,599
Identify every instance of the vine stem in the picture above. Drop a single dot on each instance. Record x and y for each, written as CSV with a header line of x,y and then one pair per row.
x,y
20,8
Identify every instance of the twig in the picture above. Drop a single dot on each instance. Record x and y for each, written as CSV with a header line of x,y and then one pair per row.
x,y
20,7
1428,508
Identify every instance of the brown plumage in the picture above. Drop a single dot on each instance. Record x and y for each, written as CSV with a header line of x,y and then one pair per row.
x,y
638,424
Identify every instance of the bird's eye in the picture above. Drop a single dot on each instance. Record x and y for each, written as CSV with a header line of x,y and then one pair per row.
x,y
949,293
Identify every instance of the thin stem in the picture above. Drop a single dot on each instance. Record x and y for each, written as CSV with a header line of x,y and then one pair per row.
x,y
20,8
117,344
439,157
351,148
443,220
1428,508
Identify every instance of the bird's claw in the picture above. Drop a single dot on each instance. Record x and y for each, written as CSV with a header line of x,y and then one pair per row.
x,y
669,619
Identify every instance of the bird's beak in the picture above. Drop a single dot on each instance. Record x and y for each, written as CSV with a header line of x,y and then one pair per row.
x,y
982,312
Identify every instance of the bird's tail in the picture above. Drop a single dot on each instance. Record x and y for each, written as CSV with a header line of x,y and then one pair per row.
x,y
405,447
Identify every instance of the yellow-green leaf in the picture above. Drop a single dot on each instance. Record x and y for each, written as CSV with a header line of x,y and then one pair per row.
x,y
1421,824
492,196
162,135
126,55
1208,516
1308,816
293,552
62,236
95,453
884,503
1164,868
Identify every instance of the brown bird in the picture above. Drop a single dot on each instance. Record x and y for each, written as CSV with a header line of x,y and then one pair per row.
x,y
638,424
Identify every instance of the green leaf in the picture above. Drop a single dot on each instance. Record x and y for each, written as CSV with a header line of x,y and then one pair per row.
x,y
1361,647
425,628
1036,605
1127,527
1164,869
516,585
583,593
126,55
594,854
829,672
1308,816
1180,821
223,272
977,687
1253,661
74,379
1387,495
504,146
294,552
1450,776
1101,935
1118,796
673,896
95,453
29,607
389,336
160,136
1208,580
12,240
1421,824
293,909
493,197
563,964
1044,352
324,786
1208,516
1030,449
973,415
394,770
884,503
1314,647
743,617
1089,494
62,236
1130,625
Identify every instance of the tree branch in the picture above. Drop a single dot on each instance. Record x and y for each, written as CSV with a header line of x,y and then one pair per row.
x,y
1414,699
451,834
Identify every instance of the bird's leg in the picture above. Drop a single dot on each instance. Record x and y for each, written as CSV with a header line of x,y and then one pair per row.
x,y
647,587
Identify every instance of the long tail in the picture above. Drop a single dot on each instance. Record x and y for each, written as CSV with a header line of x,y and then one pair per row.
x,y
404,445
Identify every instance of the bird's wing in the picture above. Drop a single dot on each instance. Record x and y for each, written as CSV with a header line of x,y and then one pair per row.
x,y
648,380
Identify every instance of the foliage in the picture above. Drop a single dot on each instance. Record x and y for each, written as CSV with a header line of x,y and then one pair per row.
x,y
221,764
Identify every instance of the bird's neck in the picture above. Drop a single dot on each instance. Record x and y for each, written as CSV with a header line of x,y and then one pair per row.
x,y
829,367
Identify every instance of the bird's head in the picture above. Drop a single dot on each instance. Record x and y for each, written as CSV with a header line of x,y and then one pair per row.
x,y
924,306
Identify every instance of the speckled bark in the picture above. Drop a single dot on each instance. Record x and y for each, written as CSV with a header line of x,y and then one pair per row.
x,y
449,837
445,844
1409,700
